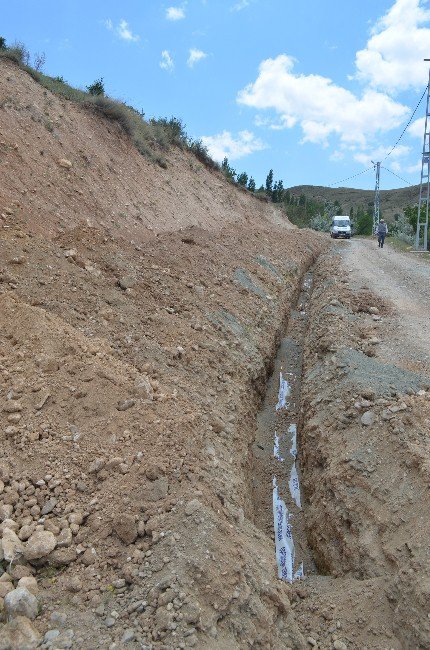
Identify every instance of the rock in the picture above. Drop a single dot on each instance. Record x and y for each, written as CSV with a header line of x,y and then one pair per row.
x,y
62,557
114,462
66,164
40,544
71,252
339,645
65,538
5,588
6,511
18,634
127,282
74,584
76,518
30,583
368,418
20,571
47,363
128,636
142,388
124,405
25,533
96,465
13,548
8,523
192,507
157,489
125,528
5,577
20,602
311,641
58,618
49,506
89,557
373,310
4,471
51,635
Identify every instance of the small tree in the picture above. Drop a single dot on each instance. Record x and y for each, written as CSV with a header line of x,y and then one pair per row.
x,y
2,43
227,170
269,182
242,179
251,184
39,61
363,221
277,192
97,88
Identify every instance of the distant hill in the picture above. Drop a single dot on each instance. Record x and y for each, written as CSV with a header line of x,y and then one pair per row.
x,y
391,201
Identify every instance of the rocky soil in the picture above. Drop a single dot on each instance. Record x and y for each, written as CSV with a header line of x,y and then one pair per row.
x,y
141,311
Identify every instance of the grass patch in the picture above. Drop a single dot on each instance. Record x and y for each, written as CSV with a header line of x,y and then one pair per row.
x,y
404,247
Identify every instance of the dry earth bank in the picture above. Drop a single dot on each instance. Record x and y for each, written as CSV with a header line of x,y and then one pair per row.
x,y
365,451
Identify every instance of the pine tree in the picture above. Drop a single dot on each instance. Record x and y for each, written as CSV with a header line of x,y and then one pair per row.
x,y
251,184
242,179
269,182
227,170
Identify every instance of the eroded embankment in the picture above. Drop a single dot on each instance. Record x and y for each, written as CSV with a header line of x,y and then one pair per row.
x,y
365,472
130,381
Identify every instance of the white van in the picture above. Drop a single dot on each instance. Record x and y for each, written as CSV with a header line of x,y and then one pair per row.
x,y
341,227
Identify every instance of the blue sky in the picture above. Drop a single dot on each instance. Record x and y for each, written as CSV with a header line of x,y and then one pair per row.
x,y
313,90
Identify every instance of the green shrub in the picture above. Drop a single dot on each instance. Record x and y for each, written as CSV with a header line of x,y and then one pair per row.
x,y
96,88
115,111
201,153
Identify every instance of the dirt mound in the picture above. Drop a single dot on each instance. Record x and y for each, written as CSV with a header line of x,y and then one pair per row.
x,y
63,165
140,309
365,465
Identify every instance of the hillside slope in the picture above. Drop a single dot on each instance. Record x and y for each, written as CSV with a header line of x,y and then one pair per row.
x,y
140,309
106,181
391,201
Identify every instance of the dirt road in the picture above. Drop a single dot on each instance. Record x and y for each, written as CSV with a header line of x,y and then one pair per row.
x,y
404,280
365,446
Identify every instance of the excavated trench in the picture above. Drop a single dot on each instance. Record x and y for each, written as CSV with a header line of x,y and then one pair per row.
x,y
275,452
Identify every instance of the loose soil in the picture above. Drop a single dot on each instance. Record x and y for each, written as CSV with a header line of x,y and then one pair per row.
x,y
142,314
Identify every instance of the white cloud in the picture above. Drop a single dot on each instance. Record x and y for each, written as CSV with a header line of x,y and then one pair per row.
x,y
413,169
175,13
379,153
224,144
166,62
393,57
125,32
122,30
416,129
195,56
242,4
321,107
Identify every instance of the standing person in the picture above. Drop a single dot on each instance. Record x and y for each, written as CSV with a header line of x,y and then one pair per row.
x,y
382,231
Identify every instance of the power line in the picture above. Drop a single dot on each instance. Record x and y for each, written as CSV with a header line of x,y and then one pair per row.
x,y
406,127
391,150
349,177
399,177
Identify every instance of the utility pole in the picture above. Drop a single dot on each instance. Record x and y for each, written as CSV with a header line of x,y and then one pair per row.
x,y
376,202
423,219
